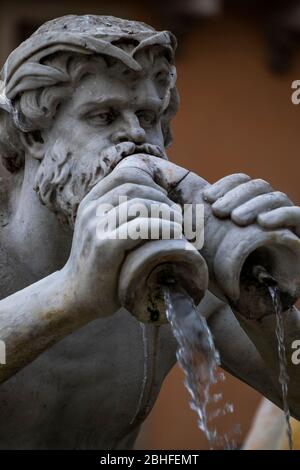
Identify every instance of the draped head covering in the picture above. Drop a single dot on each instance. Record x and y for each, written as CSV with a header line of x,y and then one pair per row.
x,y
88,34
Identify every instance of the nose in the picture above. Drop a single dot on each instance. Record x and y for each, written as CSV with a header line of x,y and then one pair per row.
x,y
129,130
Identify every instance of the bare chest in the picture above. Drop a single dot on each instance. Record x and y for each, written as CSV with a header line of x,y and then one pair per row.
x,y
90,390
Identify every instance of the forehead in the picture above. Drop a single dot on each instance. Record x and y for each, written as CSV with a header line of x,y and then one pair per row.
x,y
118,83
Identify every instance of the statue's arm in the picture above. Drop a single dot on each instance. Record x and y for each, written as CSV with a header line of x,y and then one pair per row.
x,y
263,334
33,319
248,350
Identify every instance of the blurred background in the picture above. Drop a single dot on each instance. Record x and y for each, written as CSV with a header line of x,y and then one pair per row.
x,y
236,62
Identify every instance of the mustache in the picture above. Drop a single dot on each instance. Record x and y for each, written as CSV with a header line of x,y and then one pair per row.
x,y
114,154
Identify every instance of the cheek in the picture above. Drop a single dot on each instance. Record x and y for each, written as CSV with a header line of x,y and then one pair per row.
x,y
94,143
69,132
82,137
155,135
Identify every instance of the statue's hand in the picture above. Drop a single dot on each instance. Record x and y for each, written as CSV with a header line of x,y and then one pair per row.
x,y
92,271
247,201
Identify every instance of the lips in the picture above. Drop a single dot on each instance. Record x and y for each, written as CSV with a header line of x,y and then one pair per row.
x,y
120,151
150,149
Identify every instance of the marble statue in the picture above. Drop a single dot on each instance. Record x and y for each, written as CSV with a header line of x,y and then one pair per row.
x,y
80,98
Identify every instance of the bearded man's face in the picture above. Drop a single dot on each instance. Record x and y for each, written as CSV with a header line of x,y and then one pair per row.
x,y
111,114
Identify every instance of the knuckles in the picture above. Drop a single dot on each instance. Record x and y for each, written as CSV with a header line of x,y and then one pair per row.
x,y
282,197
261,183
122,175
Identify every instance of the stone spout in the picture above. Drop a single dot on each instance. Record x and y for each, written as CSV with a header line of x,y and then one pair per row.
x,y
149,268
244,261
236,257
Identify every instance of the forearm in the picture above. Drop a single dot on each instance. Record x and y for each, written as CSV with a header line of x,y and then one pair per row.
x,y
238,354
33,319
263,334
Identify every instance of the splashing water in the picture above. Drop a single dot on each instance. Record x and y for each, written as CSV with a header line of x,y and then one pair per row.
x,y
199,360
283,375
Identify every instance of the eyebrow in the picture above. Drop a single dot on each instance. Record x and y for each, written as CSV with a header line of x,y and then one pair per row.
x,y
150,103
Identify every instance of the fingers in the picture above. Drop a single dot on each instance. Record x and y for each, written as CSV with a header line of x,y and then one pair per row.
x,y
236,197
119,177
288,217
140,228
248,212
132,191
138,208
137,231
129,192
221,187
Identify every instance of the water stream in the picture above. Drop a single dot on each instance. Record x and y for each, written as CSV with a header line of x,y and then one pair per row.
x,y
283,375
199,360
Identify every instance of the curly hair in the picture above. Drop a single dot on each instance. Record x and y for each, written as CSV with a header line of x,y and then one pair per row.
x,y
34,109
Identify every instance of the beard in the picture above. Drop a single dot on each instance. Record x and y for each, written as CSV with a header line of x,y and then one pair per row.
x,y
64,177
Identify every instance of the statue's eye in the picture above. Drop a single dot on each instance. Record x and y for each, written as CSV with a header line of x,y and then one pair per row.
x,y
102,118
146,118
